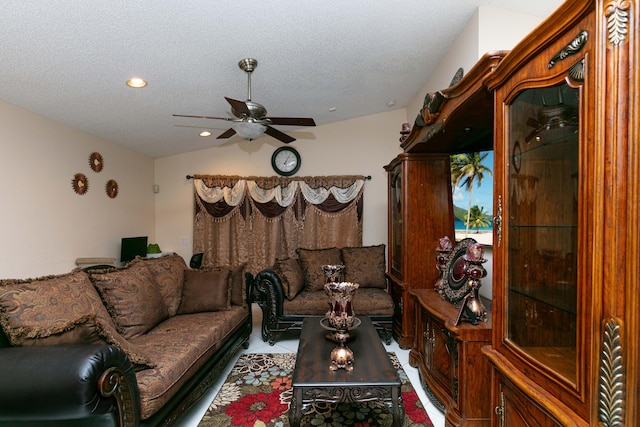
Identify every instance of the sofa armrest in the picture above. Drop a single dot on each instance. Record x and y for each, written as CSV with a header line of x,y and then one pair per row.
x,y
269,288
67,382
270,298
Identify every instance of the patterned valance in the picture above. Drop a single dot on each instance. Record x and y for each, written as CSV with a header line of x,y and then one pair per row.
x,y
219,194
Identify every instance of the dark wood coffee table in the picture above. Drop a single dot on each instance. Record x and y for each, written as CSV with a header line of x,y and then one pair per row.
x,y
373,377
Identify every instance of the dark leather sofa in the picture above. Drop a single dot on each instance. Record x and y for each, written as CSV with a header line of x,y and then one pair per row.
x,y
293,289
99,385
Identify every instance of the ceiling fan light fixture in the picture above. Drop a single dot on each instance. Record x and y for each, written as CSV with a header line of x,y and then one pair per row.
x,y
249,130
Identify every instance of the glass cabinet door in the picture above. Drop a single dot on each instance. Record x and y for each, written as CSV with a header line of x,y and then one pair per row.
x,y
542,186
395,212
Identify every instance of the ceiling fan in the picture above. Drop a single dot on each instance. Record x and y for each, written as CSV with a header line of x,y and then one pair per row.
x,y
251,119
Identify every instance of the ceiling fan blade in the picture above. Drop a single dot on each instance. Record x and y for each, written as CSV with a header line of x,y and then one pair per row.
x,y
227,134
239,107
198,127
279,135
203,117
292,121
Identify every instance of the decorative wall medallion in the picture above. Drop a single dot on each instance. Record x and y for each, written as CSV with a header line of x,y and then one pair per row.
x,y
96,162
617,20
112,188
79,183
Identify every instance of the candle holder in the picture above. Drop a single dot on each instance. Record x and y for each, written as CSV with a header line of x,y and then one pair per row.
x,y
340,319
332,272
444,250
472,309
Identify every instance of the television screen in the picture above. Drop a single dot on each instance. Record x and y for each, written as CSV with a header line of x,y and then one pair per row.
x,y
132,247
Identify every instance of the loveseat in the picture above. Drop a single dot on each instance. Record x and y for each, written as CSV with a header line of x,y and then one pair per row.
x,y
127,346
294,289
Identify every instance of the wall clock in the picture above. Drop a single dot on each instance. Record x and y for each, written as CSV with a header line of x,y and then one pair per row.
x,y
79,183
96,162
286,161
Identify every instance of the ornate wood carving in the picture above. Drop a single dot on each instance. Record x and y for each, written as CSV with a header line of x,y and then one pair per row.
x,y
617,16
572,48
112,383
611,410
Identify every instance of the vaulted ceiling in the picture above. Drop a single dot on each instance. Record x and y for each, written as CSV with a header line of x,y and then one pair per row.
x,y
68,60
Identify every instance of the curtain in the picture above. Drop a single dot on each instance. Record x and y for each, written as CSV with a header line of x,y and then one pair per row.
x,y
256,220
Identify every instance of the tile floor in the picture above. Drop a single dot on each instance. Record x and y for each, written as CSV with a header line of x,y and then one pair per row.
x,y
256,345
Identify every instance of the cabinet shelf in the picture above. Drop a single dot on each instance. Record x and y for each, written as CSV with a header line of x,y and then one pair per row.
x,y
560,297
552,146
546,226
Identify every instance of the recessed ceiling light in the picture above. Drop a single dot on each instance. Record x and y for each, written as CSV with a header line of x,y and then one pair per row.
x,y
136,82
332,109
391,103
205,133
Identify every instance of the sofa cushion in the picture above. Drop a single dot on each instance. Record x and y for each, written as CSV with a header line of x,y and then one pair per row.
x,y
56,310
291,276
132,297
206,290
365,266
312,260
168,271
181,345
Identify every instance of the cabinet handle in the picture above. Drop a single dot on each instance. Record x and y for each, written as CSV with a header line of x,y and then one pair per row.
x,y
497,220
499,410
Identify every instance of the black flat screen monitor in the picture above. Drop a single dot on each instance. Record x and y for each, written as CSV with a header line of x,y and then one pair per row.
x,y
132,247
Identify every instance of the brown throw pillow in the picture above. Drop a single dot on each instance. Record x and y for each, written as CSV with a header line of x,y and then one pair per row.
x,y
206,290
56,310
238,291
365,266
312,260
48,303
133,299
168,272
291,276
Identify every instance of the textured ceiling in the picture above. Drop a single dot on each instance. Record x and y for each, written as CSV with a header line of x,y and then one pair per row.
x,y
69,59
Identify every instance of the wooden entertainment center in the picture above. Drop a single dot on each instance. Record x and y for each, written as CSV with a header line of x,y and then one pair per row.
x,y
561,113
454,373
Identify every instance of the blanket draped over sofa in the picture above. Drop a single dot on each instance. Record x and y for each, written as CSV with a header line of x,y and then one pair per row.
x,y
294,289
127,346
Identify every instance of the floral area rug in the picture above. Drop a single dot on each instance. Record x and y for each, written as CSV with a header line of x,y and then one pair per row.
x,y
257,393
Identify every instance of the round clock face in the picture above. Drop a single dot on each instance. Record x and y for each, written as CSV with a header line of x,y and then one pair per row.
x,y
286,161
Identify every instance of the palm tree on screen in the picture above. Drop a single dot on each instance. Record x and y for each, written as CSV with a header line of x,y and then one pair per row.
x,y
465,169
478,218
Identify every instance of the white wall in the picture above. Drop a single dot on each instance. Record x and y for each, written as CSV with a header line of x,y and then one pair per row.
x,y
489,29
360,146
44,225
